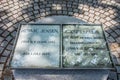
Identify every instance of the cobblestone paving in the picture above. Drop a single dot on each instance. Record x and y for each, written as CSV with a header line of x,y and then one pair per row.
x,y
13,12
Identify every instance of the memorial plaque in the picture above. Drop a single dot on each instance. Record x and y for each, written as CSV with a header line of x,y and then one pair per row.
x,y
37,46
72,46
84,46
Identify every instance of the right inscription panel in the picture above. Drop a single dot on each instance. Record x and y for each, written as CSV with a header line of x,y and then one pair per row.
x,y
84,46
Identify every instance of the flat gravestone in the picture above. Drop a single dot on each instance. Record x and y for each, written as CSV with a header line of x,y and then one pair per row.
x,y
71,74
38,46
61,46
84,46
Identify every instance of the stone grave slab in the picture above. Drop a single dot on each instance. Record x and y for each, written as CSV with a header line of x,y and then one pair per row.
x,y
61,74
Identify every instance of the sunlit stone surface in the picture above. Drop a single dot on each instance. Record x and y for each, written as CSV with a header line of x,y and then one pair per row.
x,y
38,46
84,46
28,74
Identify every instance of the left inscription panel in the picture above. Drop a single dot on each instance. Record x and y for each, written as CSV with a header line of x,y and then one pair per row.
x,y
37,46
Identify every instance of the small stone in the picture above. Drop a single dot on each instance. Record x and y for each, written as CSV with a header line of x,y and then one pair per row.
x,y
30,13
64,12
5,27
6,53
113,2
91,19
59,12
1,67
118,69
108,18
111,39
10,18
102,11
42,14
97,17
54,7
102,16
16,7
16,15
86,17
0,75
107,13
3,59
47,9
53,12
70,9
10,2
5,33
58,8
118,49
10,47
102,20
85,9
8,38
113,75
15,11
13,33
19,12
81,16
36,12
1,49
68,5
109,30
76,14
86,13
12,42
11,29
118,40
1,31
4,17
108,24
96,22
36,7
64,9
4,43
115,54
76,10
70,13
92,11
116,61
9,24
117,31
42,10
26,3
113,22
106,34
90,0
114,34
27,19
97,13
1,39
48,5
36,0
25,15
118,27
21,5
91,15
15,2
118,76
19,18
